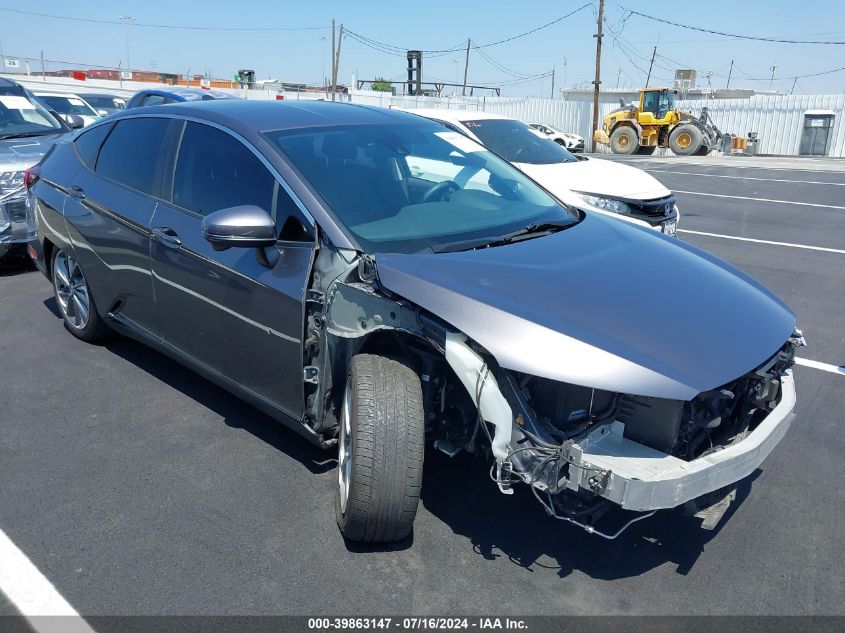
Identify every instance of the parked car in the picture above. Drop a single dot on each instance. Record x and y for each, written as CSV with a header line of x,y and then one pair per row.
x,y
601,186
177,94
67,104
27,131
572,142
289,253
103,103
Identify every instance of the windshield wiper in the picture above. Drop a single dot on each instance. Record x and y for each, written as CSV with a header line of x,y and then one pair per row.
x,y
535,229
23,134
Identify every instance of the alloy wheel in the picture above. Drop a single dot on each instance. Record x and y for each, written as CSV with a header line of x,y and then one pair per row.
x,y
344,457
71,291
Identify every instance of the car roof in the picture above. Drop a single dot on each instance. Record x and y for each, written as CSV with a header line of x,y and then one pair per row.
x,y
109,95
44,93
186,91
248,117
455,116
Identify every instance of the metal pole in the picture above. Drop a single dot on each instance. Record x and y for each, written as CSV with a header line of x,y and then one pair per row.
x,y
653,53
43,71
791,90
730,72
553,83
334,70
127,19
771,81
466,69
597,80
337,61
120,75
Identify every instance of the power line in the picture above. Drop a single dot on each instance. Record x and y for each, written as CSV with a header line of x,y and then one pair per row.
x,y
539,28
732,35
392,48
165,26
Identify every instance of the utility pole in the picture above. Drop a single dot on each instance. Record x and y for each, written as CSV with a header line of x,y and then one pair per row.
x,y
43,71
618,77
553,82
466,68
597,80
730,72
127,20
771,81
653,53
333,53
336,61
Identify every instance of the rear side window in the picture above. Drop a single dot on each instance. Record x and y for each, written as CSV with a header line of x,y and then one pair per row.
x,y
215,171
88,144
150,100
131,153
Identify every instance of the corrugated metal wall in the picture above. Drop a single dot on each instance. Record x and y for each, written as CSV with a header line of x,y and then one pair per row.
x,y
777,119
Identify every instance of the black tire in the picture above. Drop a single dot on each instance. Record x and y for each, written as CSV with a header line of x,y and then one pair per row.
x,y
383,458
94,329
646,150
703,150
624,140
685,140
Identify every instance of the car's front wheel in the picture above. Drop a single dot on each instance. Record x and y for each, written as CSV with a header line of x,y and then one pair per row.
x,y
74,299
380,450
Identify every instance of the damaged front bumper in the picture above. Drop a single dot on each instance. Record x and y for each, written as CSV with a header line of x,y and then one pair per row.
x,y
636,477
15,226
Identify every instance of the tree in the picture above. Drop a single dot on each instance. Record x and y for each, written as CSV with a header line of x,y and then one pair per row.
x,y
381,85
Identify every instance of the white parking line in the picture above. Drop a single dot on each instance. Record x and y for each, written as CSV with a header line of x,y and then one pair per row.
x,y
802,182
33,595
756,241
833,369
722,195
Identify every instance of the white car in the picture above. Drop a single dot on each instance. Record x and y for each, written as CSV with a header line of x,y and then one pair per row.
x,y
65,104
601,186
572,142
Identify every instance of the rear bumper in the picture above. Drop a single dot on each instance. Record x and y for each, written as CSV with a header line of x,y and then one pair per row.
x,y
640,478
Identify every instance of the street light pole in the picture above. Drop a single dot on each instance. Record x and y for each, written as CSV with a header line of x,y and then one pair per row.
x,y
774,67
127,20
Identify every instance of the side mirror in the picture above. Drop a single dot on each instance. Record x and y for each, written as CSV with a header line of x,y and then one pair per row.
x,y
74,121
246,226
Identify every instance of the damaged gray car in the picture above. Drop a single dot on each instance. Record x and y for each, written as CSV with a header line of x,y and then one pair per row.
x,y
289,253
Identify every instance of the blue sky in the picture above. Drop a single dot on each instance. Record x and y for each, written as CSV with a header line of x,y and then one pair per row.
x,y
439,24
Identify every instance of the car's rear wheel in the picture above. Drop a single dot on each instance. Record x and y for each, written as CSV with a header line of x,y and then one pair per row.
x,y
380,450
74,299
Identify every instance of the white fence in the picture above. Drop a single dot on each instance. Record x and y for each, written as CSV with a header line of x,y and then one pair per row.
x,y
777,119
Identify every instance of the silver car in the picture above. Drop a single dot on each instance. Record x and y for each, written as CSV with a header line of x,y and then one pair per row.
x,y
27,131
288,252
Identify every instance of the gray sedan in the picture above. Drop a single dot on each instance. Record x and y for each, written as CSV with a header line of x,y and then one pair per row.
x,y
289,253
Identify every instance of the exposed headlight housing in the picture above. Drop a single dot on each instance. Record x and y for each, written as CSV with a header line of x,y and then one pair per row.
x,y
606,204
9,181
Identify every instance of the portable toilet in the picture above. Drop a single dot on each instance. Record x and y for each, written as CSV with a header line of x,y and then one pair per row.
x,y
816,132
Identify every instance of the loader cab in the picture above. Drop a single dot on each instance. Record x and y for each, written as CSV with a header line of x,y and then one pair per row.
x,y
656,103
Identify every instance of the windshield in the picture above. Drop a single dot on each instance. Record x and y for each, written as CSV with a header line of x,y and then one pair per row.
x,y
68,105
517,142
411,187
21,117
106,101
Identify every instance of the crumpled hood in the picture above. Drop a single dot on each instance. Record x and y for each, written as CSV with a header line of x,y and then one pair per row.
x,y
602,304
18,154
593,175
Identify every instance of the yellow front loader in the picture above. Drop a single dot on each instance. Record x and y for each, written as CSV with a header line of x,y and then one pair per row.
x,y
656,122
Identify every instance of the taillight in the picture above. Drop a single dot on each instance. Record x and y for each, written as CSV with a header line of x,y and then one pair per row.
x,y
31,176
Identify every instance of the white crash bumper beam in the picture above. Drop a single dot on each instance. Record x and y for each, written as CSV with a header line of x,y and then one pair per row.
x,y
640,478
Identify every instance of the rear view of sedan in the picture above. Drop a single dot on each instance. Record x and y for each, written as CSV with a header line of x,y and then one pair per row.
x,y
295,255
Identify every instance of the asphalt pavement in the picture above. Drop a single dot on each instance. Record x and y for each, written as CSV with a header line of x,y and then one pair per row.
x,y
137,487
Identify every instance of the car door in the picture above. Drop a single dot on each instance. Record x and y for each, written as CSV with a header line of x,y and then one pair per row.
x,y
238,312
108,212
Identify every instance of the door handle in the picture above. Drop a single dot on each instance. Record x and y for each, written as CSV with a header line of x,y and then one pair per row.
x,y
77,192
166,236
